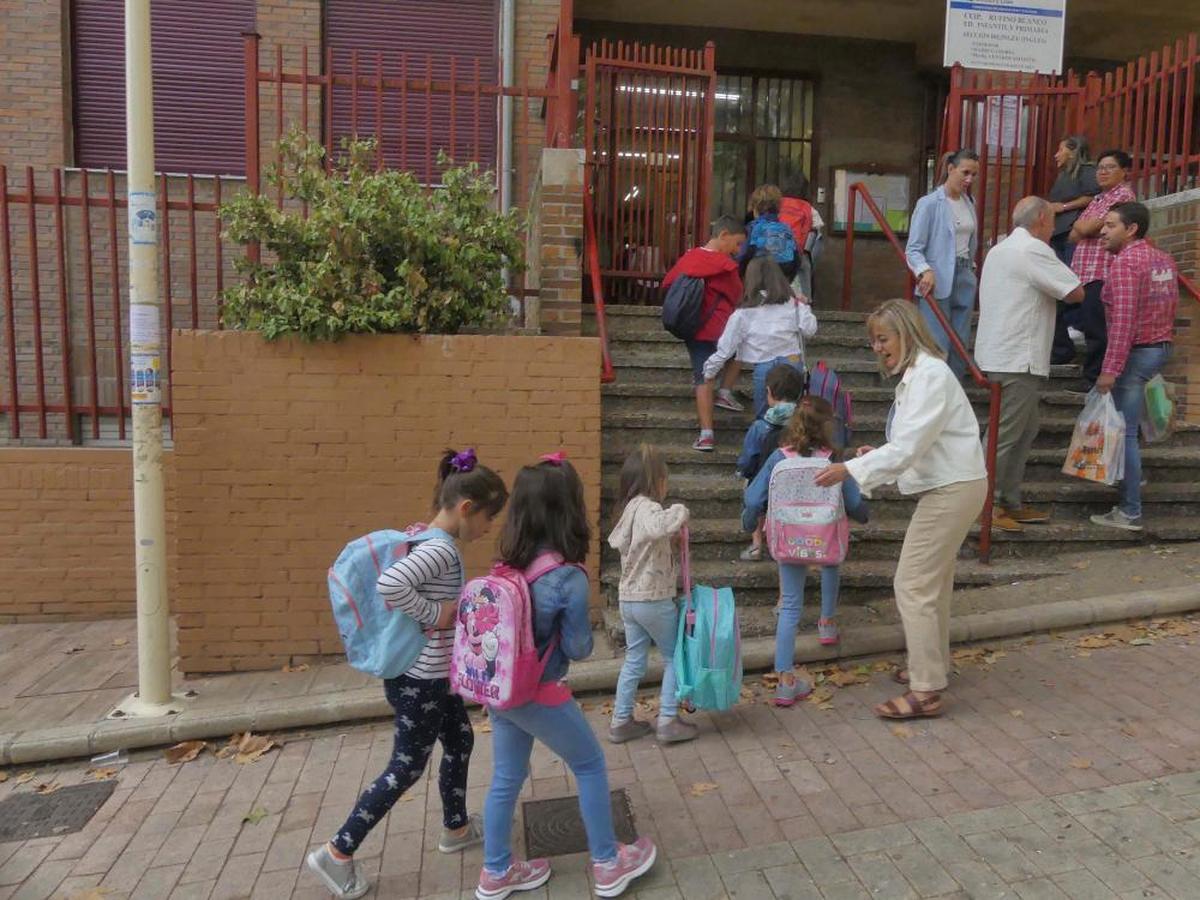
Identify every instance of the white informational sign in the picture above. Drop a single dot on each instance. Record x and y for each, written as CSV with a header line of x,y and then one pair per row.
x,y
143,326
1009,35
890,193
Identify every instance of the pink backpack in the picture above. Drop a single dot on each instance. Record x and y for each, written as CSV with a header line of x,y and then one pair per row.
x,y
495,661
806,524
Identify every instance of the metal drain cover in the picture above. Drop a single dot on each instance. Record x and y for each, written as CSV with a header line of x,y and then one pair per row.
x,y
555,828
27,816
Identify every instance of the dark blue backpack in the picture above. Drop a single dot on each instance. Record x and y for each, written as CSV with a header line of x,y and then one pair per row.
x,y
683,307
823,382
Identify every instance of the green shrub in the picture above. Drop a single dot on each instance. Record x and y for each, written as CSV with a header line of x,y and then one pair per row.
x,y
377,252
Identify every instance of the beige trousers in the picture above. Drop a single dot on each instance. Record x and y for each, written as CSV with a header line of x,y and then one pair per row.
x,y
924,579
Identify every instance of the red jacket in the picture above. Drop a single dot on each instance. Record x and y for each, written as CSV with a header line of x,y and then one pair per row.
x,y
722,287
797,214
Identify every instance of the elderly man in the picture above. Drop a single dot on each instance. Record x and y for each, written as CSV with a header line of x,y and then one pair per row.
x,y
1141,295
1023,280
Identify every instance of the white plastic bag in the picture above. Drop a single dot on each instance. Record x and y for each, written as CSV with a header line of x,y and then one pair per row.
x,y
1097,451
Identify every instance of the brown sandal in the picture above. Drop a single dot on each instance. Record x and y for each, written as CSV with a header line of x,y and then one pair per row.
x,y
910,706
900,676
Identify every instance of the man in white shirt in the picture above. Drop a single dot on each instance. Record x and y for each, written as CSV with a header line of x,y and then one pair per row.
x,y
1022,281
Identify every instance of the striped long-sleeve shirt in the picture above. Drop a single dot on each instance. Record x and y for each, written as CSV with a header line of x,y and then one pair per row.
x,y
418,585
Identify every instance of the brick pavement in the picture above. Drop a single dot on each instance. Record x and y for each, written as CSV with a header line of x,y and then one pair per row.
x,y
1058,773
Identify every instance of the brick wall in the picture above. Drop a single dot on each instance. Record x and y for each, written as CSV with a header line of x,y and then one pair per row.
x,y
66,534
285,451
34,103
1175,227
555,247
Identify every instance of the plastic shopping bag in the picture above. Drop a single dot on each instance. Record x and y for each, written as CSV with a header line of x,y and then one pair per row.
x,y
1097,451
1158,422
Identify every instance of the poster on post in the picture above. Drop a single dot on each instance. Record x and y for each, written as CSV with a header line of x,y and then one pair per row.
x,y
1007,35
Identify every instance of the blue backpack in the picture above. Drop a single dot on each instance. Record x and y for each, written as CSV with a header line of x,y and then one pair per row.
x,y
379,640
824,382
770,236
708,646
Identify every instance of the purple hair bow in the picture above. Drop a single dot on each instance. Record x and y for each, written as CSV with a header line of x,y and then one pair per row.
x,y
555,459
464,461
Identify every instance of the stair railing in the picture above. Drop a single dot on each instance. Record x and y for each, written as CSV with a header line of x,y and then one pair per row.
x,y
592,250
859,189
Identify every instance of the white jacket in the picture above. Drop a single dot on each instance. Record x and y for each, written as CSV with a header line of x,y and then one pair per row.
x,y
643,538
932,434
763,333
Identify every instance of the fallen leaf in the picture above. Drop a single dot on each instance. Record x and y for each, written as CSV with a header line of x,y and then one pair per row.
x,y
69,650
842,678
1142,642
1079,565
1017,713
120,642
47,787
252,747
185,752
302,667
3,777
100,774
700,788
26,777
96,893
255,815
1078,762
1094,642
821,695
902,731
1128,731
1083,654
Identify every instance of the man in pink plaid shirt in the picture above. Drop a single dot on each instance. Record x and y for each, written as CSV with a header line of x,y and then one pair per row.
x,y
1140,296
1091,260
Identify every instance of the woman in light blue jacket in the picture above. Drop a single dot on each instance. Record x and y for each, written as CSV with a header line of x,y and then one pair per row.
x,y
942,238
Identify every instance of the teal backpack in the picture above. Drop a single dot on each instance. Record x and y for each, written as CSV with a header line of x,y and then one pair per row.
x,y
379,640
708,648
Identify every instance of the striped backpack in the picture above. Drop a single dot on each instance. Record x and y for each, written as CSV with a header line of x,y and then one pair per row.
x,y
379,639
824,382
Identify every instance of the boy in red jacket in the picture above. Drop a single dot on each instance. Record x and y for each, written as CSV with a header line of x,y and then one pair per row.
x,y
715,263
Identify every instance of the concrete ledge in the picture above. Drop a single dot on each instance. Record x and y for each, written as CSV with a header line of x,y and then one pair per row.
x,y
91,738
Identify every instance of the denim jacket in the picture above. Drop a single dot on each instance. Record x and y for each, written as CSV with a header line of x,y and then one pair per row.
x,y
560,606
931,242
755,501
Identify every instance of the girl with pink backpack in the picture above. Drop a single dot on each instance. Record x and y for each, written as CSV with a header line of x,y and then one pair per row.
x,y
547,515
805,525
423,584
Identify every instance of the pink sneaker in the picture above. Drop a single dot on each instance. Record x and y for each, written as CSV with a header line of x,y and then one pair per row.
x,y
522,875
633,860
827,632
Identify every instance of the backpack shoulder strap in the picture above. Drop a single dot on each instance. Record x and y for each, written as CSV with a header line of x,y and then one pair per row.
x,y
544,564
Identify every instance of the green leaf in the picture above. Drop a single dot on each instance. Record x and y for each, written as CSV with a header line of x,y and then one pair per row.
x,y
255,815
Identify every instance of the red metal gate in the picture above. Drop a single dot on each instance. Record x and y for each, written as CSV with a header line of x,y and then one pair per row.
x,y
648,136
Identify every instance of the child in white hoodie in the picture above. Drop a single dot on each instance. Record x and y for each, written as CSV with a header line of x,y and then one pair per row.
x,y
648,594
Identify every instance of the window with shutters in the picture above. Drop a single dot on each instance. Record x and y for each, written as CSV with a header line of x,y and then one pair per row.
x,y
430,45
198,84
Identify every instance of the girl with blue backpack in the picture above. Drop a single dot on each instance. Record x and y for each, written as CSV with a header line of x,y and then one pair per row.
x,y
805,525
547,514
423,584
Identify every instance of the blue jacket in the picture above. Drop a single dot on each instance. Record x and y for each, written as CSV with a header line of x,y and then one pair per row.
x,y
560,606
931,243
755,502
761,438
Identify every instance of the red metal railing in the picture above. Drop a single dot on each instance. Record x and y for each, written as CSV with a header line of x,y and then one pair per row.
x,y
857,190
63,255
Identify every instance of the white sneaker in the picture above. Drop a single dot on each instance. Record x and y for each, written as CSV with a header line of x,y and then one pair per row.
x,y
726,400
343,879
1114,518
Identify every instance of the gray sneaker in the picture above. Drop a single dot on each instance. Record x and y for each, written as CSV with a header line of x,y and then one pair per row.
x,y
676,731
628,731
343,879
450,842
788,694
1114,518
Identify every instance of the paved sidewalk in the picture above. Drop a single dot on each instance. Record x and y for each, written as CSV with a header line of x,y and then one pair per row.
x,y
1064,769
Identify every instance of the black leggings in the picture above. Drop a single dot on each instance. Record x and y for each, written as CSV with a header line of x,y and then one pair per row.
x,y
426,712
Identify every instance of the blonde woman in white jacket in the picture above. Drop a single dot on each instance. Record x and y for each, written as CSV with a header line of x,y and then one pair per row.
x,y
648,594
932,453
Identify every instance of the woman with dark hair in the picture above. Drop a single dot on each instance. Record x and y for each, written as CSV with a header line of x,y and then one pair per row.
x,y
1073,190
942,238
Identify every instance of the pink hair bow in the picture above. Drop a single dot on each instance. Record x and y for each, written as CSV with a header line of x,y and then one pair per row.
x,y
555,459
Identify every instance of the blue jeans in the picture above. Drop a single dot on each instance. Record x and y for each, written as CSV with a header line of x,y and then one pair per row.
x,y
1129,393
958,309
791,588
565,731
760,379
647,622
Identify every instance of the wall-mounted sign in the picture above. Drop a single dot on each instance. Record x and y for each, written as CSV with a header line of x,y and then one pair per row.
x,y
1010,35
890,191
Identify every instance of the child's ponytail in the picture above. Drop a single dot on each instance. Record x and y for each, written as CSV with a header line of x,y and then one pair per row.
x,y
810,428
460,477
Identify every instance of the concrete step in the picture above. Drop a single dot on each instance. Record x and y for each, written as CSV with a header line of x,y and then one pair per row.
x,y
757,583
1067,498
723,539
632,396
1160,462
651,315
